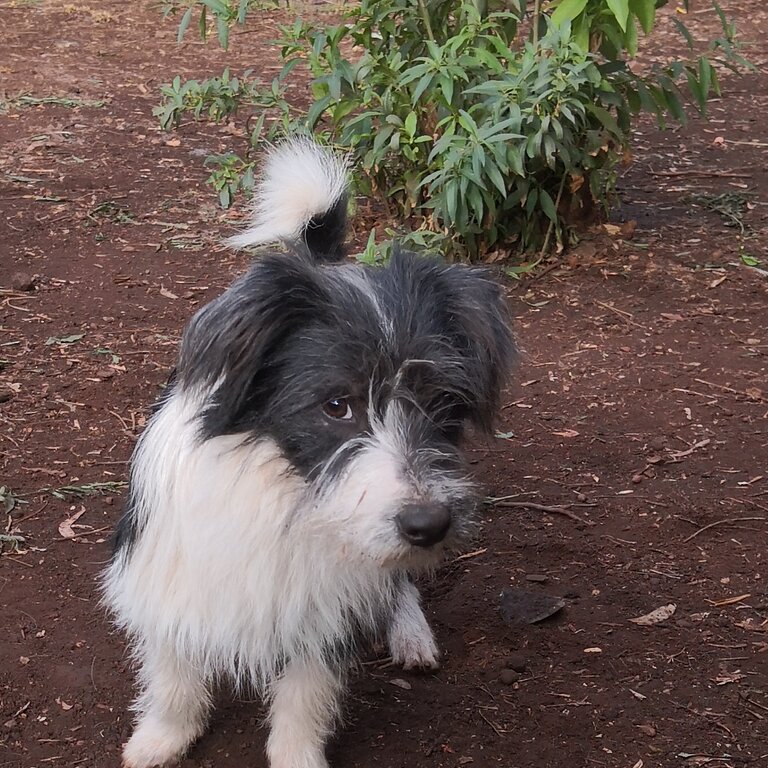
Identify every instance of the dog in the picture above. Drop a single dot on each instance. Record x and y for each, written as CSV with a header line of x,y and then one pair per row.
x,y
303,464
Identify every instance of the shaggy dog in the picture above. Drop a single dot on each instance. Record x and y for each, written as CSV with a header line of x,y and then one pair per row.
x,y
302,464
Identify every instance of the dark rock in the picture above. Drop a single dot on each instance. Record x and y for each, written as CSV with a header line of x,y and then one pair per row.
x,y
516,662
509,676
21,281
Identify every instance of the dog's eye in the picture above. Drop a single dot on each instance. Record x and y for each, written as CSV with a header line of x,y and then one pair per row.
x,y
338,408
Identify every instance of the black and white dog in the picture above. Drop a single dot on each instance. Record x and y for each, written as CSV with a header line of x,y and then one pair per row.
x,y
304,461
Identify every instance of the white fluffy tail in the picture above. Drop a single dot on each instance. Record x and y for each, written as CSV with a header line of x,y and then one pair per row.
x,y
300,197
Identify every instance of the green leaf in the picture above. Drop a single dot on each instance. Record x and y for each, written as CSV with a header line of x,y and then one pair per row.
x,y
184,23
620,9
568,10
496,178
630,38
697,90
683,30
547,205
316,111
222,28
645,10
410,125
705,76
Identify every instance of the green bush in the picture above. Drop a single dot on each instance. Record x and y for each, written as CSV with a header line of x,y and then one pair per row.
x,y
485,125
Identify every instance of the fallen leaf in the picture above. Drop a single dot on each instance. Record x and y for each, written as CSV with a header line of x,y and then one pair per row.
x,y
567,433
753,393
65,527
648,730
718,281
168,295
63,704
655,617
173,142
594,649
404,684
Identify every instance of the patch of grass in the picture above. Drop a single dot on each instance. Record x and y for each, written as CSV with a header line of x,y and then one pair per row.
x,y
115,359
69,492
11,542
26,100
8,500
730,206
110,210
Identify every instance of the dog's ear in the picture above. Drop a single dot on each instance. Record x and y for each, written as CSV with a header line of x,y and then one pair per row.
x,y
481,315
229,345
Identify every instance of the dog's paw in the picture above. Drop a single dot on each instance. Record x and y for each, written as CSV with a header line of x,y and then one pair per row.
x,y
413,647
153,744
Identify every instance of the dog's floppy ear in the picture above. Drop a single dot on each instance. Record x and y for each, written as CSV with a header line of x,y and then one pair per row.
x,y
228,346
480,312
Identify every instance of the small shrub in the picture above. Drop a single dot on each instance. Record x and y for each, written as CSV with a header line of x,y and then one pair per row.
x,y
484,127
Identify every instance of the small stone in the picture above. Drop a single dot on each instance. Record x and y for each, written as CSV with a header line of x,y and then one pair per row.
x,y
657,443
105,373
21,281
537,578
637,479
516,662
509,676
581,497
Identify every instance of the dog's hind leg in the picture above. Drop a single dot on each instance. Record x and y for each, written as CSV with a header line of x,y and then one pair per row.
x,y
304,706
411,642
172,709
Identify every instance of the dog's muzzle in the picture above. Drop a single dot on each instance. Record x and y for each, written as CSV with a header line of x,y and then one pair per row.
x,y
424,525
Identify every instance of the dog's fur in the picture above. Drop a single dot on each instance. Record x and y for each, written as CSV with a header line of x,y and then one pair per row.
x,y
302,463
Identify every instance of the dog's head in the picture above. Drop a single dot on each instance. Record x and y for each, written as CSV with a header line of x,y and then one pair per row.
x,y
366,379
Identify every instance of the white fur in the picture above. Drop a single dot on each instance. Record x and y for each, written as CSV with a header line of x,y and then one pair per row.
x,y
300,180
411,642
239,565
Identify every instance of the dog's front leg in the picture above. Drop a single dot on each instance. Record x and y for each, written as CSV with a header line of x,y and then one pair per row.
x,y
304,706
172,709
411,642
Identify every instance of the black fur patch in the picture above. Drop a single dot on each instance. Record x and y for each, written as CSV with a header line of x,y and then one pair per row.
x,y
291,335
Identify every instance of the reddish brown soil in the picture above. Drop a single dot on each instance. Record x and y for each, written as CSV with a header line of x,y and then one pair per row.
x,y
641,406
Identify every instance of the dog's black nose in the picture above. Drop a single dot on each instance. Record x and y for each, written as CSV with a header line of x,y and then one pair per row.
x,y
424,524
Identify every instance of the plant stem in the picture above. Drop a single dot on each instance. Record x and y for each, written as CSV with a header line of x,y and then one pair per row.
x,y
425,19
536,17
552,223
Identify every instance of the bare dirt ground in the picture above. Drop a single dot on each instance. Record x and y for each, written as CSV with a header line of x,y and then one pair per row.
x,y
640,408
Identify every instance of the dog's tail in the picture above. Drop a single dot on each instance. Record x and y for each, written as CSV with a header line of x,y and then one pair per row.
x,y
300,199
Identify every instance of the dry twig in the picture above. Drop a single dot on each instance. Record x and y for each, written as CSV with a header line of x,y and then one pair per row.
x,y
544,508
725,521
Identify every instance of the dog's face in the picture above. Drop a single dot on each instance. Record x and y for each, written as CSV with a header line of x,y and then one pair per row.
x,y
366,379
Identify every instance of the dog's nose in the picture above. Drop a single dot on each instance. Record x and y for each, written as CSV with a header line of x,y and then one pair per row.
x,y
424,524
